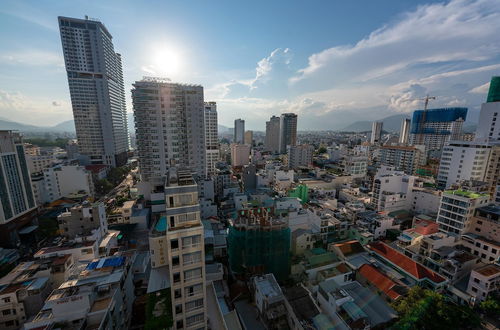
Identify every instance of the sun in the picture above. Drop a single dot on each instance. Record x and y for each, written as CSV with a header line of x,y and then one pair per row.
x,y
166,61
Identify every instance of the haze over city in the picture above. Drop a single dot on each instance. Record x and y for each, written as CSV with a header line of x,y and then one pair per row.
x,y
332,63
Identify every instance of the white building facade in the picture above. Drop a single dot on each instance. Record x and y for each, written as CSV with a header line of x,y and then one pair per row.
x,y
97,92
170,127
211,136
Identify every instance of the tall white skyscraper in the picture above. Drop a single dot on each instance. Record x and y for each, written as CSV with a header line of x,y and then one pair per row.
x,y
376,132
95,80
487,128
239,131
211,136
170,127
272,141
16,195
288,131
404,132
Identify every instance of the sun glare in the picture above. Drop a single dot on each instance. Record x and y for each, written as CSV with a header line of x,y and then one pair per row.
x,y
166,61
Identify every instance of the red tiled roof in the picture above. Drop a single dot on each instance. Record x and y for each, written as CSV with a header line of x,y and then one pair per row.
x,y
350,247
95,168
426,227
381,281
405,263
61,260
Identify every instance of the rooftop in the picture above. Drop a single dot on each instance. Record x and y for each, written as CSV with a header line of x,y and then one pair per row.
x,y
379,280
426,227
301,303
489,270
179,177
267,285
465,193
63,247
405,263
491,209
350,248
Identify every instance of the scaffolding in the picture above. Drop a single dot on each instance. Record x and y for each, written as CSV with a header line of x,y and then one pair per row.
x,y
259,244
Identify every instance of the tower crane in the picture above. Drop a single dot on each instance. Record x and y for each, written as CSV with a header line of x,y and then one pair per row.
x,y
426,100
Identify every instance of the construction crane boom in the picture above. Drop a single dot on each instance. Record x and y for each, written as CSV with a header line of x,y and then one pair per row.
x,y
426,100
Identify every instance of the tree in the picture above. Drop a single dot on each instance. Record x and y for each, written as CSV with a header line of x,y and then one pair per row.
x,y
117,174
322,150
491,306
103,186
426,309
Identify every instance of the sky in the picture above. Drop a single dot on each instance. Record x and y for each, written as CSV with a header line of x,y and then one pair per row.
x,y
331,62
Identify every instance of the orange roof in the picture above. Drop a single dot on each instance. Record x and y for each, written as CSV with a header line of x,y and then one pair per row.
x,y
405,263
425,227
343,268
351,247
488,270
381,281
96,168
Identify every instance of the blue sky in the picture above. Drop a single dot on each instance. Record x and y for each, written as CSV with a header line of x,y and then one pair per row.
x,y
331,62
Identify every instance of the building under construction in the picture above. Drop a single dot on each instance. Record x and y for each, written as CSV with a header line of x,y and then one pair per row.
x,y
434,127
259,243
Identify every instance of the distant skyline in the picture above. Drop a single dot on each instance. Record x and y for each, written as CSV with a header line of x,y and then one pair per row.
x,y
331,63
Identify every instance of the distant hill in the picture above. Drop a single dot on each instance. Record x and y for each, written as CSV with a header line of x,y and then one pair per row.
x,y
66,126
224,129
391,124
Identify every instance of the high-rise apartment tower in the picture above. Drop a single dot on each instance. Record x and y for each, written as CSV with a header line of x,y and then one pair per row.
x,y
239,131
211,136
288,131
95,80
170,127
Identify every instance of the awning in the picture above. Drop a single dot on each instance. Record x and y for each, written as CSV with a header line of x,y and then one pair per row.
x,y
28,230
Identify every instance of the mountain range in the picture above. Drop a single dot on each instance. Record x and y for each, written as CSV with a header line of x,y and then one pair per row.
x,y
64,127
391,124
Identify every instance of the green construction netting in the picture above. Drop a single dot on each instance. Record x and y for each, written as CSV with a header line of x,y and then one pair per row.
x,y
302,192
494,92
259,251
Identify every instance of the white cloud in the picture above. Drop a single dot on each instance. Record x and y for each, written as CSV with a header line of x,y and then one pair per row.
x,y
432,34
16,106
448,50
482,89
32,57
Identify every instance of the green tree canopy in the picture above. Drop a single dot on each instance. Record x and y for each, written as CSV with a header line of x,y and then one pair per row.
x,y
429,310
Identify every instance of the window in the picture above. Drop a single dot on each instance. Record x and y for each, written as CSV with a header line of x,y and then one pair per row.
x,y
177,293
192,274
175,261
191,241
194,319
193,290
195,304
174,244
191,258
178,309
177,277
6,312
